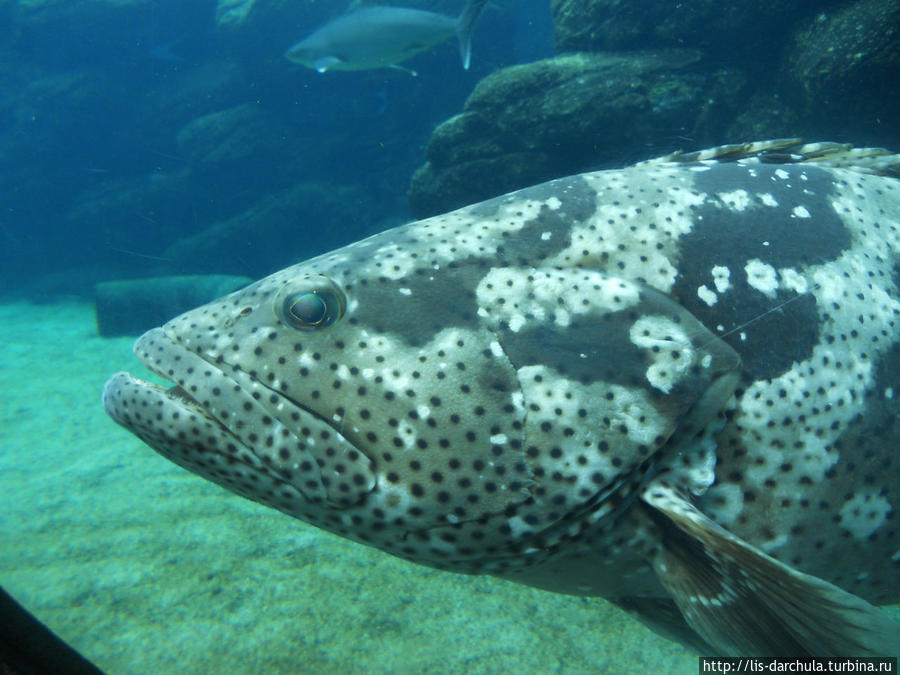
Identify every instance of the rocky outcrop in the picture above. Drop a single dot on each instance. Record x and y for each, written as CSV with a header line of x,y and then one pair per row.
x,y
843,67
529,123
722,29
761,70
243,148
129,215
278,230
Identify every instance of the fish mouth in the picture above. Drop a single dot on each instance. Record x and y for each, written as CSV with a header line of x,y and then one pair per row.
x,y
172,420
171,361
177,391
222,423
124,392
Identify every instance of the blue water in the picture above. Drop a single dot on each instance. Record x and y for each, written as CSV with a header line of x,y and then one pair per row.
x,y
129,130
94,101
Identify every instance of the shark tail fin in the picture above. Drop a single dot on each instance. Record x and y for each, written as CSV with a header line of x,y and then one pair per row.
x,y
464,26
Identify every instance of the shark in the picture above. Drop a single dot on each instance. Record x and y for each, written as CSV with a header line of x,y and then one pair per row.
x,y
383,37
671,385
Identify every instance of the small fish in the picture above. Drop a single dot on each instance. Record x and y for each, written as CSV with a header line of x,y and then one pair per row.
x,y
673,385
383,37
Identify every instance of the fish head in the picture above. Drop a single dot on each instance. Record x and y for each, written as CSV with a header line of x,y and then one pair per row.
x,y
309,54
430,391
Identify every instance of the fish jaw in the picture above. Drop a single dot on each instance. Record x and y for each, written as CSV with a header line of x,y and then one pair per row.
x,y
234,435
220,457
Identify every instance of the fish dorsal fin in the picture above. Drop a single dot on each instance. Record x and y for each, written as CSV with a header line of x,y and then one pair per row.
x,y
744,602
793,151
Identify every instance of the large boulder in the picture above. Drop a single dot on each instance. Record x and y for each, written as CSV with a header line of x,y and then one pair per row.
x,y
238,154
759,70
222,145
533,122
188,92
231,13
843,68
737,29
278,230
818,67
129,216
762,115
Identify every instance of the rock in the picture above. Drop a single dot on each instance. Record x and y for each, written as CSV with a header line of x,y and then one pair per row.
x,y
278,230
533,122
39,11
765,115
69,284
843,67
128,222
69,34
134,306
237,155
223,144
736,30
184,95
43,135
818,69
54,125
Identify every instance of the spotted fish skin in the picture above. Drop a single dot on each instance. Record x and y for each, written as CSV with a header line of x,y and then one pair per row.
x,y
671,385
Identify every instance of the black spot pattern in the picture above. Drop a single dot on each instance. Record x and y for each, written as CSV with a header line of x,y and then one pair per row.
x,y
581,350
792,242
430,422
813,448
426,305
770,333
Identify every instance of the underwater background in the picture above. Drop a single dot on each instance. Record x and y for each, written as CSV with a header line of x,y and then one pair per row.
x,y
143,142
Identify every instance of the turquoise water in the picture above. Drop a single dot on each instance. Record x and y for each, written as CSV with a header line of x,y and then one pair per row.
x,y
145,568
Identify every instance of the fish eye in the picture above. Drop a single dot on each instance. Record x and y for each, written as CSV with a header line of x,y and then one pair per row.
x,y
306,308
311,307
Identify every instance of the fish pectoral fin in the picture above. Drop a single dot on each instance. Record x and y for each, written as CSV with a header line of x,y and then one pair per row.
x,y
743,602
323,63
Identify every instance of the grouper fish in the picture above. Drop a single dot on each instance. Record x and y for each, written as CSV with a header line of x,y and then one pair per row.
x,y
673,385
383,37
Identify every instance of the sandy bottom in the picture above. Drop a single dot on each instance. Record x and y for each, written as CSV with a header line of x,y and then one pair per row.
x,y
146,568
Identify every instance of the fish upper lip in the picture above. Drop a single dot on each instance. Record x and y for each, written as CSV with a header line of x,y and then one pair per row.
x,y
177,392
195,373
184,353
146,358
